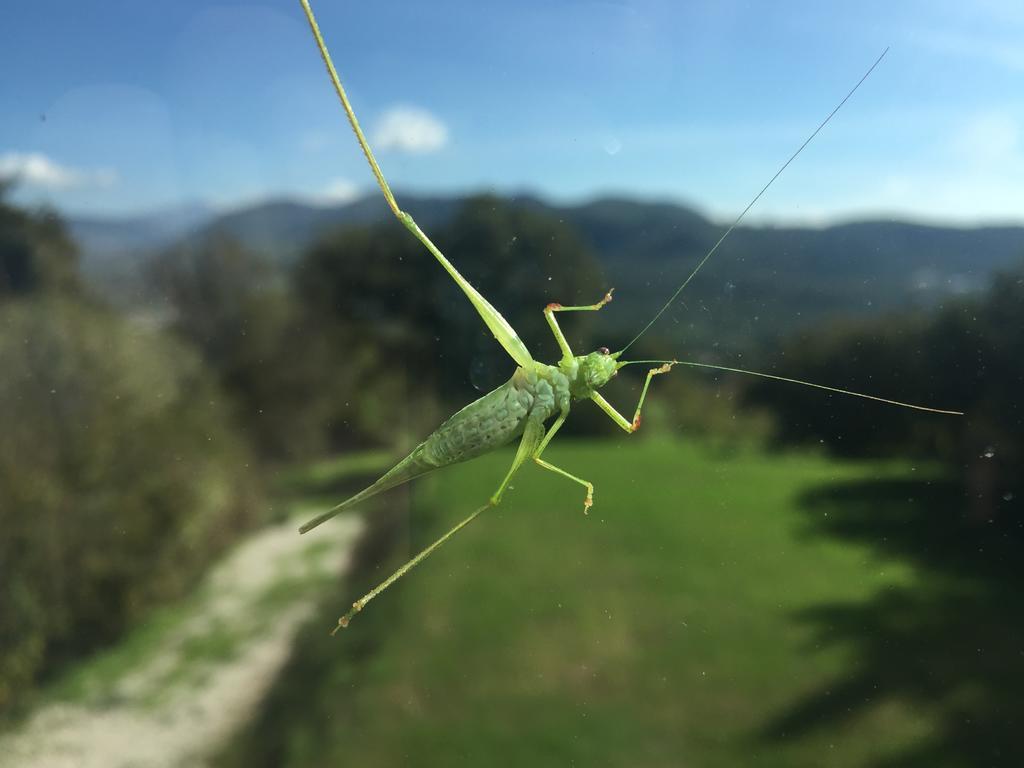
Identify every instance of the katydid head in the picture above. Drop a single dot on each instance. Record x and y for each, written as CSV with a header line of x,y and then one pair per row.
x,y
596,369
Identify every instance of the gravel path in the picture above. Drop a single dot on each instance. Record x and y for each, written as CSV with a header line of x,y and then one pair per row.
x,y
173,708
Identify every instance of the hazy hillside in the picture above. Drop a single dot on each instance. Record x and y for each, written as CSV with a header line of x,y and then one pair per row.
x,y
114,251
763,282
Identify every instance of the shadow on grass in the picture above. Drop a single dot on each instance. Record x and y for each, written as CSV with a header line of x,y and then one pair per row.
x,y
949,645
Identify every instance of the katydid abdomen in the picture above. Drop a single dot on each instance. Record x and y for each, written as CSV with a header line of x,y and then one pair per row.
x,y
490,422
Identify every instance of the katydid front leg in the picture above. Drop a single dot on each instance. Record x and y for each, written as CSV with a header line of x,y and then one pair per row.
x,y
618,418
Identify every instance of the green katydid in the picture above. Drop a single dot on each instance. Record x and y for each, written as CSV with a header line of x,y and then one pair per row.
x,y
537,392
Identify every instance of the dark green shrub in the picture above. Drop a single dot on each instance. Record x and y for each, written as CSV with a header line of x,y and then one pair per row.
x,y
120,480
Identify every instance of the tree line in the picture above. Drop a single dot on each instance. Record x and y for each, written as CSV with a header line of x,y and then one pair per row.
x,y
966,356
131,449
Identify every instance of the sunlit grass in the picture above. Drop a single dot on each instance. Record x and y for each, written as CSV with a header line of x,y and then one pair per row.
x,y
658,630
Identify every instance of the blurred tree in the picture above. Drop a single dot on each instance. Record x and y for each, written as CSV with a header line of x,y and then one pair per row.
x,y
223,295
120,476
238,311
366,294
521,259
120,480
403,338
966,356
36,253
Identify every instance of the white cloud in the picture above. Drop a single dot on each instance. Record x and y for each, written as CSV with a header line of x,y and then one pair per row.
x,y
991,138
315,141
409,129
967,176
338,192
38,170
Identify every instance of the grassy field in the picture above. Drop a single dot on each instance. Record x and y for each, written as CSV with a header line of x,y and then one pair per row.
x,y
683,622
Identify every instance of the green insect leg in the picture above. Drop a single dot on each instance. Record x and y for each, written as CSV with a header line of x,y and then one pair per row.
x,y
549,315
498,325
589,500
532,436
618,418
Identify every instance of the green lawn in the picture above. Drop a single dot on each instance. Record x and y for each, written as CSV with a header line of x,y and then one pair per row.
x,y
666,628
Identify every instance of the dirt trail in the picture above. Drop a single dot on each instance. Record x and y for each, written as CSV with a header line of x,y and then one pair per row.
x,y
178,704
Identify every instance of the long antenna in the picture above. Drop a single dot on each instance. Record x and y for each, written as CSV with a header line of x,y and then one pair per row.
x,y
798,381
756,198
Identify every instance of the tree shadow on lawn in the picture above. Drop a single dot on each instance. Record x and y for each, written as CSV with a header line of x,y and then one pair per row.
x,y
950,644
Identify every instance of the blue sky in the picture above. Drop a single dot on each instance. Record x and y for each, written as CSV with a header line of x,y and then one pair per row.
x,y
121,107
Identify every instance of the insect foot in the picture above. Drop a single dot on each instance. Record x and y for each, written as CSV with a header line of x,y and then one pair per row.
x,y
344,620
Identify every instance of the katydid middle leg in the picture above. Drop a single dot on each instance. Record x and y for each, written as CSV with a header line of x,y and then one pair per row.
x,y
588,502
549,315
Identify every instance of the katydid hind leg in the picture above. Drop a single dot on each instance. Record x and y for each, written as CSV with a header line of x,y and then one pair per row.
x,y
532,436
359,604
501,329
412,466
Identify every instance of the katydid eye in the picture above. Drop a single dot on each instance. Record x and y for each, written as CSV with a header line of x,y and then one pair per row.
x,y
603,350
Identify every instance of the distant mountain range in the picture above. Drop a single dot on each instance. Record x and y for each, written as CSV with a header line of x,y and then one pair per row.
x,y
115,250
105,239
764,280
